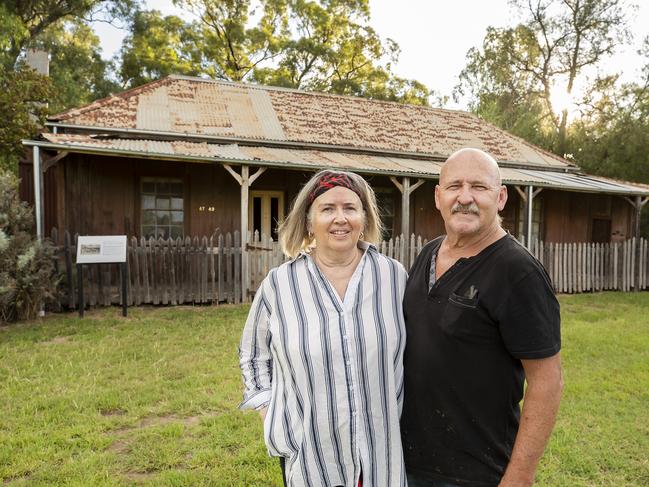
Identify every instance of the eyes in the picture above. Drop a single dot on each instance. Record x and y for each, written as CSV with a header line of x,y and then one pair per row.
x,y
348,208
475,187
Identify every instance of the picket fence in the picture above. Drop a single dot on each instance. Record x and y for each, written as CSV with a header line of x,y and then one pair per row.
x,y
205,270
589,267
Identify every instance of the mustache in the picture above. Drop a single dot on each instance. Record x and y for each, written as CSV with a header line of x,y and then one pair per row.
x,y
460,208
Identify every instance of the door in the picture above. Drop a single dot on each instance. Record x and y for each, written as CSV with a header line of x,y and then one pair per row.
x,y
265,212
601,230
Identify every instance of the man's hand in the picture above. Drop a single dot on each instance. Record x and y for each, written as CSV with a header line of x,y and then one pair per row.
x,y
542,397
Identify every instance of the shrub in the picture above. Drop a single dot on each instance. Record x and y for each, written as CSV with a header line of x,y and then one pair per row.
x,y
27,279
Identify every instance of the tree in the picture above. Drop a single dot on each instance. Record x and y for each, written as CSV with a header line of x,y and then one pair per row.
x,y
558,41
612,136
502,93
23,106
25,21
77,72
317,45
333,50
158,46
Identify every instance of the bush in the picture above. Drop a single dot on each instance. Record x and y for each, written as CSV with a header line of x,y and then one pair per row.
x,y
27,279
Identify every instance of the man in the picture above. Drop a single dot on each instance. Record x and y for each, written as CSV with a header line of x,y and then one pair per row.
x,y
481,318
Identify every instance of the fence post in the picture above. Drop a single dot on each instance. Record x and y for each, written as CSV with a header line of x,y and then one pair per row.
x,y
68,268
239,284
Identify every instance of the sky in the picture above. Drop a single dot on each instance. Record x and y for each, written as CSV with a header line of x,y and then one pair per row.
x,y
434,36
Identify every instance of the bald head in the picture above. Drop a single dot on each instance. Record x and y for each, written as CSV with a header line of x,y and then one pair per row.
x,y
472,159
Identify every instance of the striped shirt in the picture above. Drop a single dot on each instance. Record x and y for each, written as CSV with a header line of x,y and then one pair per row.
x,y
330,371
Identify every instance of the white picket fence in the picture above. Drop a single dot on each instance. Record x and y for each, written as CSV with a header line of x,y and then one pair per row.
x,y
573,267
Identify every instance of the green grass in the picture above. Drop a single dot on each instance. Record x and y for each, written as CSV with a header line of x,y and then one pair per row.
x,y
151,399
602,434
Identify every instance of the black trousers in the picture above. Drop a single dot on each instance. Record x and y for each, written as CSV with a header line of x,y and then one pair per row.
x,y
282,463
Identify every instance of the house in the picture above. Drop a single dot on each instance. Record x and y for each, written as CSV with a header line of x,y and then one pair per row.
x,y
191,156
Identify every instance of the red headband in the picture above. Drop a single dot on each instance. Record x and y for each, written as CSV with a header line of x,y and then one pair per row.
x,y
329,181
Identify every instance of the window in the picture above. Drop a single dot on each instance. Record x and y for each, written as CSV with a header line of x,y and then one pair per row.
x,y
162,208
385,202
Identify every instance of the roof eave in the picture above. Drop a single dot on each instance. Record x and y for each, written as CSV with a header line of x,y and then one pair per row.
x,y
296,166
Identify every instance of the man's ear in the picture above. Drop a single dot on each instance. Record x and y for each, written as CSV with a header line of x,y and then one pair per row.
x,y
437,190
502,197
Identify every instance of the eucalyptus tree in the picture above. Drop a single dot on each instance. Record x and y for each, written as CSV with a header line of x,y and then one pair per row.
x,y
325,45
558,43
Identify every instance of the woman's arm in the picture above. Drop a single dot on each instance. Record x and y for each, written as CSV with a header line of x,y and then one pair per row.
x,y
255,358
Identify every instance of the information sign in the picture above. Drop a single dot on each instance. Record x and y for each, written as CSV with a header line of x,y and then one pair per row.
x,y
98,249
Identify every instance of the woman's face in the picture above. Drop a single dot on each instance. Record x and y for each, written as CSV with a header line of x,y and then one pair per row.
x,y
336,220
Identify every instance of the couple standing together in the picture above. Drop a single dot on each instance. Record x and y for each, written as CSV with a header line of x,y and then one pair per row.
x,y
366,376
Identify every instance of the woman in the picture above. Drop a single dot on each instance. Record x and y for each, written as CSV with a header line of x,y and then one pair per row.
x,y
323,344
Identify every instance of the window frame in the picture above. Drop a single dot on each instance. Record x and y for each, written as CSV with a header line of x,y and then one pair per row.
x,y
167,227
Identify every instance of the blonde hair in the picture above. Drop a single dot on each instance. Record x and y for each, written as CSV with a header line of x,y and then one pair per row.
x,y
294,230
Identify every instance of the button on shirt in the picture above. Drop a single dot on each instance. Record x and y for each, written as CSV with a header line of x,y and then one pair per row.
x,y
330,371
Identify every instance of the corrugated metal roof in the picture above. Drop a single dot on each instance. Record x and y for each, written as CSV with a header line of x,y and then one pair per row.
x,y
317,159
201,107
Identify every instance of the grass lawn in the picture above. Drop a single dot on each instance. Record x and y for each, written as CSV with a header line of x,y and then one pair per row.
x,y
151,399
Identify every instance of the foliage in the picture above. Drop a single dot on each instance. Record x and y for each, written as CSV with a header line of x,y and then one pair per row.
x,y
158,46
152,399
23,106
612,135
555,44
316,45
26,21
78,73
27,277
503,94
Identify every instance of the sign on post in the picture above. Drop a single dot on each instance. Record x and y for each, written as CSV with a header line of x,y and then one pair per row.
x,y
101,249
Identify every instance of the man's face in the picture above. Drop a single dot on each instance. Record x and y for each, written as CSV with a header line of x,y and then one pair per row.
x,y
469,195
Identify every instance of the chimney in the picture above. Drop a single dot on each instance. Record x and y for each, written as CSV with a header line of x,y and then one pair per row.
x,y
38,60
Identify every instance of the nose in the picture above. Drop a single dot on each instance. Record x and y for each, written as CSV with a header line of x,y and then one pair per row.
x,y
339,216
465,196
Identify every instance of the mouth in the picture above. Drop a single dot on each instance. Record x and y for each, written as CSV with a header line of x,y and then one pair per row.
x,y
339,233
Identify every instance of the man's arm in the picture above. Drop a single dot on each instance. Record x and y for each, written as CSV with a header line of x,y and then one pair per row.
x,y
542,397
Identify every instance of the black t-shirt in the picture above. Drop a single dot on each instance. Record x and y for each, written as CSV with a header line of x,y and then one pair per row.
x,y
463,374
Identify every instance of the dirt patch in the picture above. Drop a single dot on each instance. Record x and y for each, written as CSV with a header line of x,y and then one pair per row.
x,y
18,478
139,476
168,419
120,447
56,341
112,412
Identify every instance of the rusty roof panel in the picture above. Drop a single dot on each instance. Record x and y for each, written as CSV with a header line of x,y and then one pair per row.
x,y
209,107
